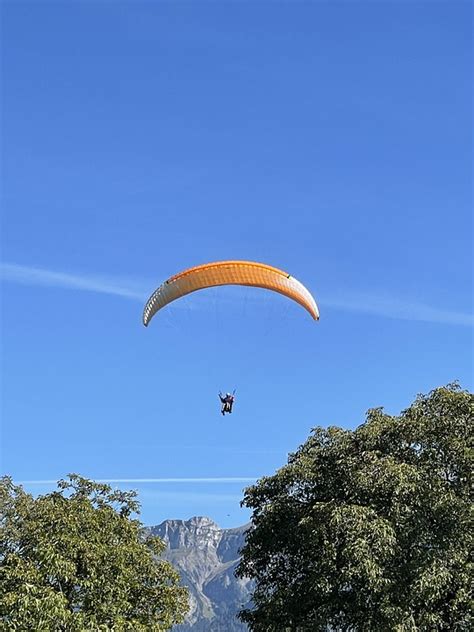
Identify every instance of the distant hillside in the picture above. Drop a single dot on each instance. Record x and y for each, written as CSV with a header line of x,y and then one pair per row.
x,y
206,557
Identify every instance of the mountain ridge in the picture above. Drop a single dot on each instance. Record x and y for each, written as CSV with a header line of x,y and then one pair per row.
x,y
206,557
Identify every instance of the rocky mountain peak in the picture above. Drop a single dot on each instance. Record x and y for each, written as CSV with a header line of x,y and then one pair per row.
x,y
197,532
206,556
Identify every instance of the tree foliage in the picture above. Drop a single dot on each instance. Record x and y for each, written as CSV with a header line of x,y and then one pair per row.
x,y
369,529
75,560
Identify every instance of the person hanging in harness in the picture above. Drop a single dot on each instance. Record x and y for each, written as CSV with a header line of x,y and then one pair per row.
x,y
227,402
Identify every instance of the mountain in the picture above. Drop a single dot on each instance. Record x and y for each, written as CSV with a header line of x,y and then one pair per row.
x,y
206,557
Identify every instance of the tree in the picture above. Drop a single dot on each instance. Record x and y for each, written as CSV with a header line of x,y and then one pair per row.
x,y
75,560
369,529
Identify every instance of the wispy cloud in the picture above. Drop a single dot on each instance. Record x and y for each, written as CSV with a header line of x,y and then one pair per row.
x,y
29,275
375,303
188,496
133,289
212,480
395,307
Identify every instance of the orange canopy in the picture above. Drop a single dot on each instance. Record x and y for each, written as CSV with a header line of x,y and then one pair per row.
x,y
229,273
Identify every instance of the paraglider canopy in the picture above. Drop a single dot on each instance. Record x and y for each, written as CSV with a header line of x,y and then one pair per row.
x,y
248,273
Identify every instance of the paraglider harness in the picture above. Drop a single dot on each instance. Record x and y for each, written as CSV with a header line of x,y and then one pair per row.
x,y
227,402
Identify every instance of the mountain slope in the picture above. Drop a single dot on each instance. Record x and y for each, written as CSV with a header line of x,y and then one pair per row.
x,y
206,557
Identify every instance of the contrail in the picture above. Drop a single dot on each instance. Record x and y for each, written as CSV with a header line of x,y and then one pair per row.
x,y
218,479
28,275
397,308
377,304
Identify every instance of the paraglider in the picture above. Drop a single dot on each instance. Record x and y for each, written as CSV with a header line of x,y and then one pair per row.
x,y
227,402
248,273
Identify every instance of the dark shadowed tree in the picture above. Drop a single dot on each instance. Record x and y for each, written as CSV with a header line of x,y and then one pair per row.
x,y
369,529
75,560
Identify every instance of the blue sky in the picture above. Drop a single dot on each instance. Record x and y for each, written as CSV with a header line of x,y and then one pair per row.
x,y
330,139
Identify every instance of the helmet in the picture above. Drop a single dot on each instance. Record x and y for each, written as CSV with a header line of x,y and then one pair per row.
x,y
228,395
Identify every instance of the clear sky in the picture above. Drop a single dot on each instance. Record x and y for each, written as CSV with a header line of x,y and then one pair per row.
x,y
330,139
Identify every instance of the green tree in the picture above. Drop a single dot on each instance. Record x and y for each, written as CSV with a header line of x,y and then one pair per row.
x,y
74,560
369,529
